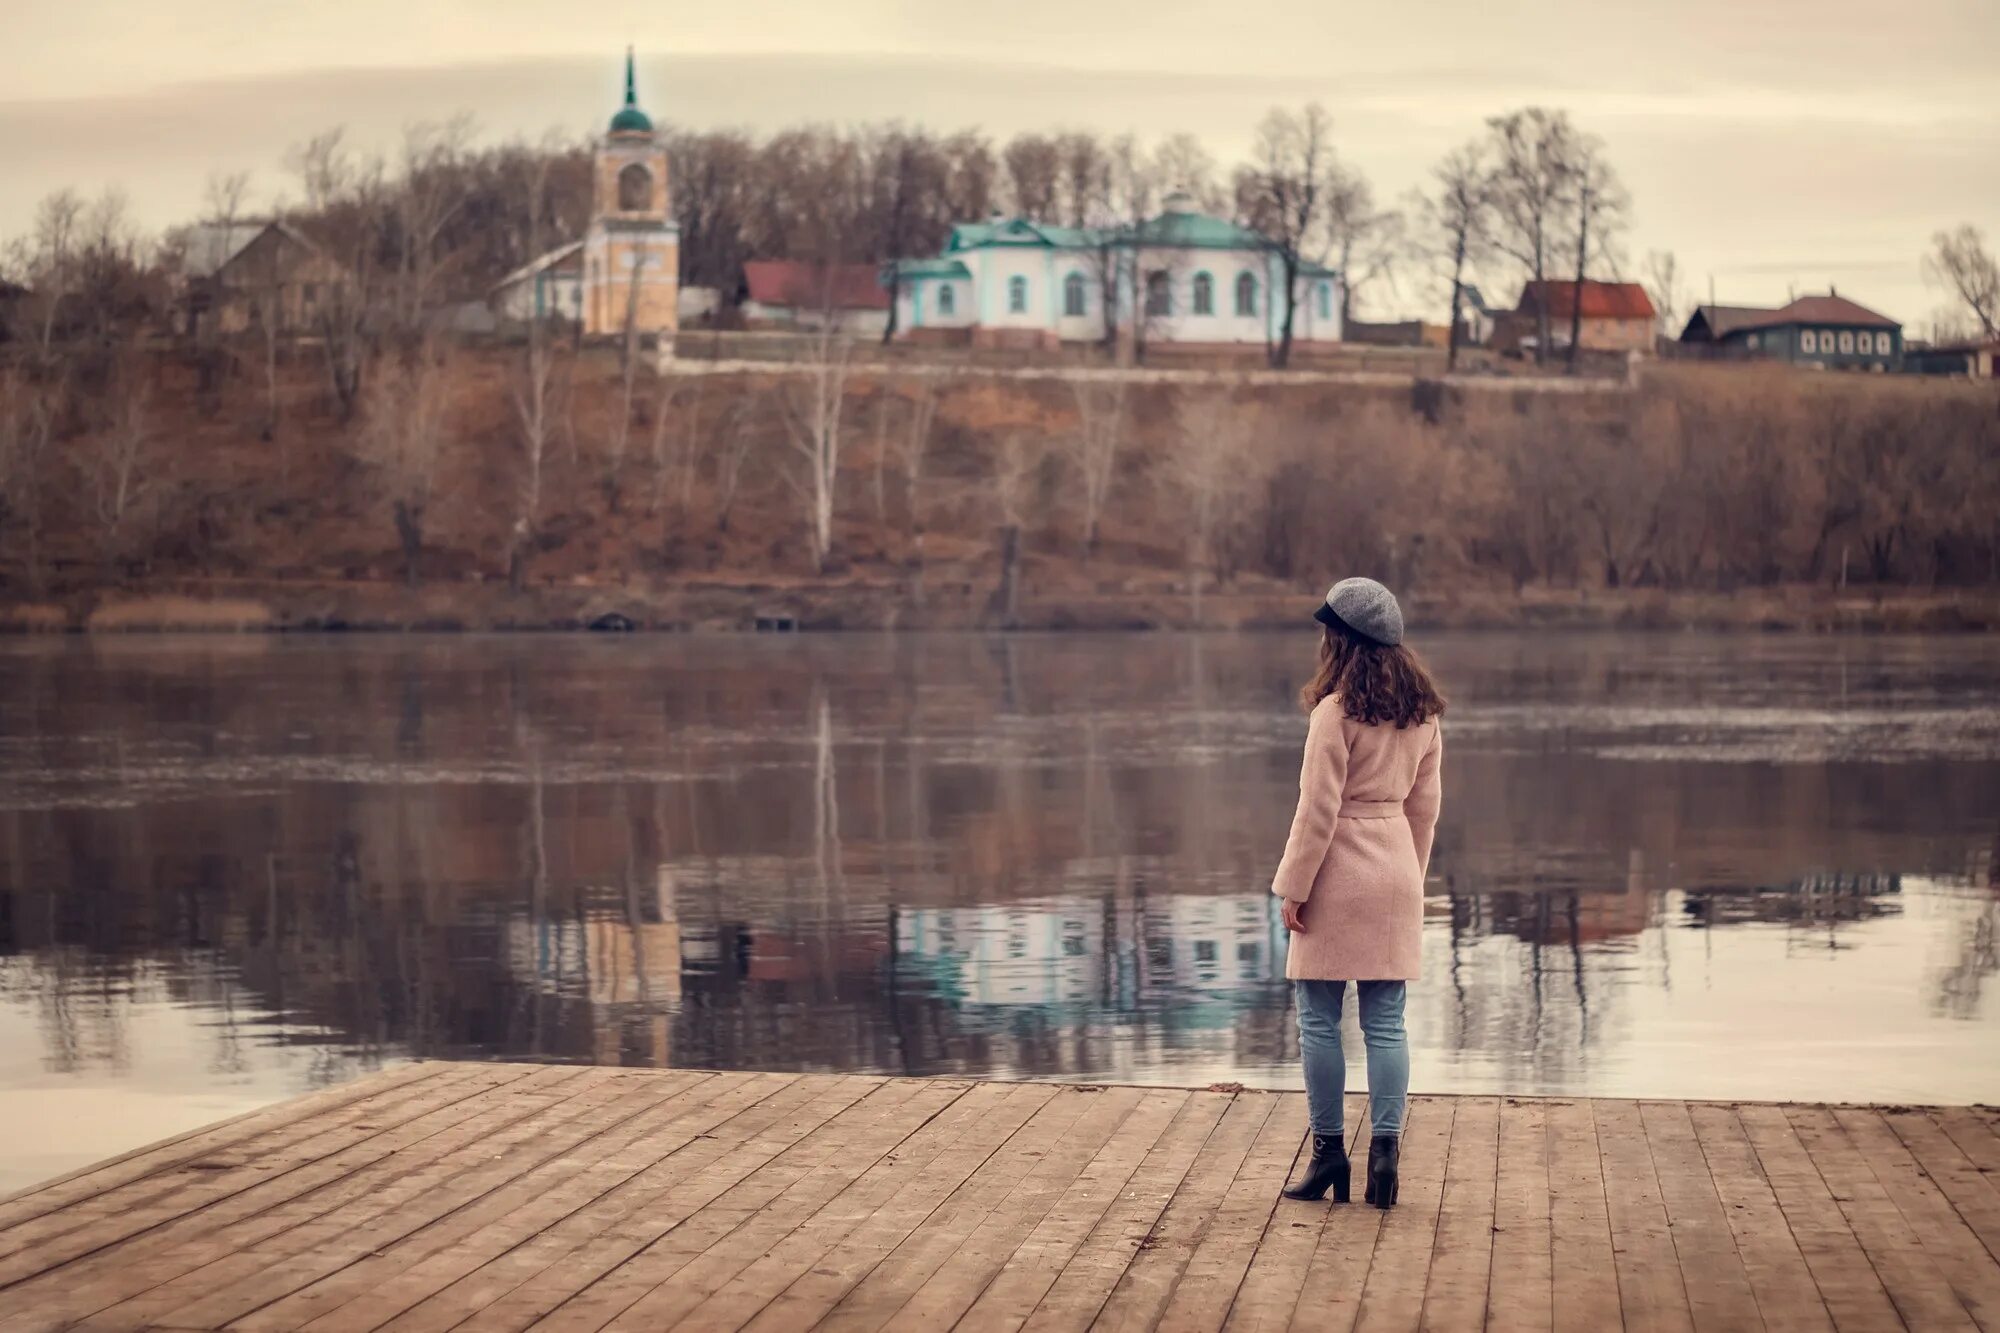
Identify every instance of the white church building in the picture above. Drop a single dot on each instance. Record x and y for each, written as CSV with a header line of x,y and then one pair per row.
x,y
1182,277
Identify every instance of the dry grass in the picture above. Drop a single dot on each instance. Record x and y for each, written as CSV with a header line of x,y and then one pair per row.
x,y
180,613
33,618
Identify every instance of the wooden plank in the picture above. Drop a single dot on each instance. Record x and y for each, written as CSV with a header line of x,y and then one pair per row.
x,y
827,1195
638,1254
1912,1277
815,1292
334,1241
1972,1129
1455,1294
227,1169
1034,1264
1788,1300
737,1299
1847,1282
942,1300
1974,1193
1932,1221
1079,1291
1651,1293
164,1154
1143,1291
1584,1297
135,1267
1712,1272
668,1143
1392,1296
1215,1272
1278,1270
679,1184
1521,1295
1330,1297
876,1299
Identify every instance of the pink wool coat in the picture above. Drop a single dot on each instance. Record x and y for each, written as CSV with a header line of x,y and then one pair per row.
x,y
1360,847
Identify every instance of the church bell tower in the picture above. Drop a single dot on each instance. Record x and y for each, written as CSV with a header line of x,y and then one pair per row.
x,y
631,254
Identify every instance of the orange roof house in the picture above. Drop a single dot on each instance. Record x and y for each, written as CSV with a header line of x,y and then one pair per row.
x,y
1616,316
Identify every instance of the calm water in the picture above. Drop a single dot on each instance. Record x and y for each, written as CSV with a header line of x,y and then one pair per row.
x,y
234,869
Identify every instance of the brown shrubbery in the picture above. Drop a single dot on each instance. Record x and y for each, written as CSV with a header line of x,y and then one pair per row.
x,y
1701,479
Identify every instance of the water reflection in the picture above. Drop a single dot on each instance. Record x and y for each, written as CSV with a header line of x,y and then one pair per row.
x,y
230,870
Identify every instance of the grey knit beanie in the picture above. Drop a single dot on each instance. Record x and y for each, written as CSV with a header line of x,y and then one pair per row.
x,y
1364,606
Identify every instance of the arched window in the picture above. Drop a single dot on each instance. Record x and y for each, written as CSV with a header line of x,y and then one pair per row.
x,y
1246,294
1159,293
947,299
1326,300
1847,342
1204,294
635,189
1073,296
1017,296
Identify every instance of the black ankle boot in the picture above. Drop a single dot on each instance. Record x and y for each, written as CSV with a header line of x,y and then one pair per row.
x,y
1328,1167
1384,1152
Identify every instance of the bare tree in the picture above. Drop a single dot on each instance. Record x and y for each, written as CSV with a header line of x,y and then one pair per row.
x,y
539,379
1206,466
1282,194
117,463
1092,449
347,197
912,447
1365,241
402,436
1034,175
1453,224
1600,203
1670,296
1533,156
429,195
676,403
1960,261
736,441
814,401
1018,462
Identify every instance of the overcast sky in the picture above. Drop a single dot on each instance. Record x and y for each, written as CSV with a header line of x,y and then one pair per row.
x,y
1772,144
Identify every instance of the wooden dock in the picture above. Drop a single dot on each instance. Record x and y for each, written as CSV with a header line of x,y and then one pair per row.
x,y
509,1196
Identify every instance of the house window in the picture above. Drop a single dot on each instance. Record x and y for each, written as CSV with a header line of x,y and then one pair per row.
x,y
1809,341
947,299
1017,296
1847,341
1246,294
1159,294
1073,296
635,189
1751,342
1204,294
1883,345
1326,300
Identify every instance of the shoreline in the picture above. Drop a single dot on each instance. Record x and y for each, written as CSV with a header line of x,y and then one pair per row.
x,y
957,605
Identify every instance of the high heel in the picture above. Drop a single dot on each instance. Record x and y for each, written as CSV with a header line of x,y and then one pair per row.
x,y
1384,1154
1327,1168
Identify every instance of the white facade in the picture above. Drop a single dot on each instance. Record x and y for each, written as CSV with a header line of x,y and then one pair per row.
x,y
1181,278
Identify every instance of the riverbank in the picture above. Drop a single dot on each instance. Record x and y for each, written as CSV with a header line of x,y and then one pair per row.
x,y
855,603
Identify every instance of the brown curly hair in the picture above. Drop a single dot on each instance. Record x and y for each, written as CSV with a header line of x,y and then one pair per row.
x,y
1376,682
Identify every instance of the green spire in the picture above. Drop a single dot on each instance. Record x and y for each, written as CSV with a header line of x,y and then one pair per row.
x,y
630,119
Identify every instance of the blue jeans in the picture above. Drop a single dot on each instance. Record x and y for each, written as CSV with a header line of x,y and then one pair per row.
x,y
1326,1068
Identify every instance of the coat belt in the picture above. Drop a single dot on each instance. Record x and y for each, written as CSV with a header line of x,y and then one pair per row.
x,y
1371,809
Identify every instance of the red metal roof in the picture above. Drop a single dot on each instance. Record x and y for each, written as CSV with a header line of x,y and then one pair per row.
x,y
807,286
1601,300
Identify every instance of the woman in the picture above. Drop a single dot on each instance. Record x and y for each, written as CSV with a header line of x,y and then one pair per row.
x,y
1353,873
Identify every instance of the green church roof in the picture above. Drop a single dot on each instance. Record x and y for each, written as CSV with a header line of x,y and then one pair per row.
x,y
630,119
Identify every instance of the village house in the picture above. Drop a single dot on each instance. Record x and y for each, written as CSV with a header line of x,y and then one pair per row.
x,y
797,294
1475,317
1616,317
1972,359
1825,331
625,271
1181,277
265,275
